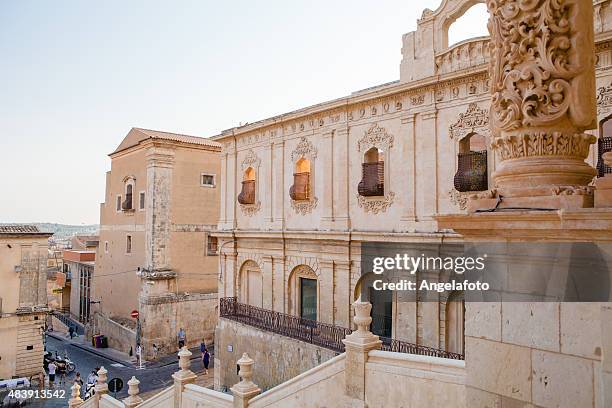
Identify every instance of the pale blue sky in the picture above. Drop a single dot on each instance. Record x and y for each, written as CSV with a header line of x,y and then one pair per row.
x,y
77,75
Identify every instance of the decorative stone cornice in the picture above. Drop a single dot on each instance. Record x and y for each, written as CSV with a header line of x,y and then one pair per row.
x,y
376,205
375,136
473,120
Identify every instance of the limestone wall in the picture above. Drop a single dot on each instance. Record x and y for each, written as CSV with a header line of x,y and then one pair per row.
x,y
278,358
164,399
397,379
119,337
196,396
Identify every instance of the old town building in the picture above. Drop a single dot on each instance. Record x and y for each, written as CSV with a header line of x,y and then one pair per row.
x,y
78,270
156,254
23,299
303,192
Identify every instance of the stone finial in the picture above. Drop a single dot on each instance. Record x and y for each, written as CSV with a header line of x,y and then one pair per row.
x,y
184,374
133,399
102,386
246,388
362,337
75,397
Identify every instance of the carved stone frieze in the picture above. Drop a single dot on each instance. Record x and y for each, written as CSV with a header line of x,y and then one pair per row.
x,y
375,136
473,120
376,205
543,144
604,100
417,99
304,206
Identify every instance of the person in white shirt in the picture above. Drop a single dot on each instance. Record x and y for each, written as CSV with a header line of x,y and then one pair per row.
x,y
52,368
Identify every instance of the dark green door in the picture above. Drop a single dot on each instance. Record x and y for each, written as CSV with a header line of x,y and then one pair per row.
x,y
308,298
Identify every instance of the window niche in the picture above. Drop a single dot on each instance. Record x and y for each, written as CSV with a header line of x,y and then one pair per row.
x,y
249,194
302,195
129,186
373,191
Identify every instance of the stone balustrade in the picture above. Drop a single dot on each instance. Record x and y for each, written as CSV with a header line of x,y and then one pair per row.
x,y
466,54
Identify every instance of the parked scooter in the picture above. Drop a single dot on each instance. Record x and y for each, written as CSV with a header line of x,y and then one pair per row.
x,y
64,364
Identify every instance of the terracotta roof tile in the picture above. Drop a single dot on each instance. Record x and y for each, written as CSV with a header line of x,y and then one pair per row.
x,y
137,135
19,229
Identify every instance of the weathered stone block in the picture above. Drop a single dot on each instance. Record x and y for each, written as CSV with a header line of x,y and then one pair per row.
x,y
483,320
581,329
531,324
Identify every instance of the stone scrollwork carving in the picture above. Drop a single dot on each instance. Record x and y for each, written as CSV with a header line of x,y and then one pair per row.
x,y
306,149
376,205
542,91
473,120
304,206
604,100
250,209
251,160
458,198
375,136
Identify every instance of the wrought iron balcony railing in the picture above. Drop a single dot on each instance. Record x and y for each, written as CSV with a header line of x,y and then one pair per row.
x,y
372,179
247,195
300,190
127,203
604,145
311,331
471,172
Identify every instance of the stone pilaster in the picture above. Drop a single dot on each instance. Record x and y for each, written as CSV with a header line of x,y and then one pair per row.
x,y
266,185
426,162
542,74
343,295
224,197
278,284
358,344
246,388
267,276
278,184
606,362
341,188
327,156
408,178
326,291
182,377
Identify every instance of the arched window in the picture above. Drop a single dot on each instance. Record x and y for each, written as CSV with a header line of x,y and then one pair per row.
x,y
455,323
303,292
300,190
604,145
247,195
250,284
372,174
472,164
127,203
471,24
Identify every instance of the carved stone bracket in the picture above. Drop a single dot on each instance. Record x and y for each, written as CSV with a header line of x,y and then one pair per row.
x,y
304,206
306,149
473,120
250,209
458,198
376,205
375,136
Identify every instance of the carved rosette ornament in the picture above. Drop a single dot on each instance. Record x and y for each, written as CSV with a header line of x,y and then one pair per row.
x,y
542,93
375,136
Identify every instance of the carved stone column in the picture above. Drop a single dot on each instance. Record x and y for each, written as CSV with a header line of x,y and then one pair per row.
x,y
542,100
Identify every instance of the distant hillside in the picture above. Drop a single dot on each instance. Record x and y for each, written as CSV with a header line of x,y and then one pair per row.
x,y
66,231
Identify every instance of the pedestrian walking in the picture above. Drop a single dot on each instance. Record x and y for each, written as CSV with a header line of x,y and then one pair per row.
x,y
202,346
181,338
71,332
52,368
206,360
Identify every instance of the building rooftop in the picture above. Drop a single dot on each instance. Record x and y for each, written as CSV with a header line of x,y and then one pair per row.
x,y
21,229
139,135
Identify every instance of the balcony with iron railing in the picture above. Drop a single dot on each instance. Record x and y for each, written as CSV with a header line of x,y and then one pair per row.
x,y
300,190
372,179
127,203
247,195
471,172
314,332
604,145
